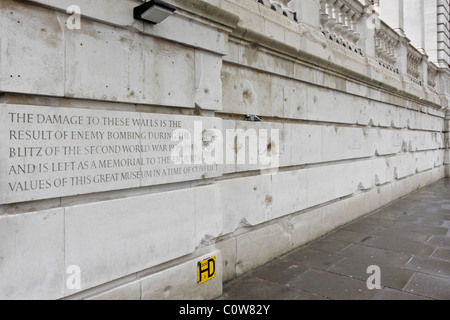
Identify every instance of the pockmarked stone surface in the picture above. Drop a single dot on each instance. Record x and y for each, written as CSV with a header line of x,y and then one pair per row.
x,y
53,152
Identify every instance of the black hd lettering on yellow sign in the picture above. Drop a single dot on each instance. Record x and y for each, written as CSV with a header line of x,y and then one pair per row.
x,y
206,270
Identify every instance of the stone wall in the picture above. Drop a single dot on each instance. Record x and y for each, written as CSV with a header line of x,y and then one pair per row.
x,y
353,136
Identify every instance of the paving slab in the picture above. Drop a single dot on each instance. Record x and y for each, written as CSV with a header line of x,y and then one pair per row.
x,y
442,253
376,256
402,246
401,234
253,288
429,286
281,271
439,241
420,228
329,245
429,265
313,258
349,236
390,277
333,286
389,294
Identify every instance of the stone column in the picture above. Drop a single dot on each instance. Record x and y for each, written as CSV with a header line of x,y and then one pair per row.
x,y
402,58
414,23
431,29
367,32
423,69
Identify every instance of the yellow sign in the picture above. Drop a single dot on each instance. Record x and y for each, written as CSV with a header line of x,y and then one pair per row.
x,y
206,270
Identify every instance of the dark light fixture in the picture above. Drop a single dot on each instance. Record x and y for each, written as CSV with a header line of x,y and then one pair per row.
x,y
154,11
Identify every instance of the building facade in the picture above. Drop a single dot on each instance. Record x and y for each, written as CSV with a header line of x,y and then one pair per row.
x,y
302,116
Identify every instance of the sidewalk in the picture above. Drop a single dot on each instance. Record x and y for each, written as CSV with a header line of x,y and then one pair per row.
x,y
409,240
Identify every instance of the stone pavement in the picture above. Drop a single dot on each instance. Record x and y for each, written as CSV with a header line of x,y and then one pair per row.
x,y
409,240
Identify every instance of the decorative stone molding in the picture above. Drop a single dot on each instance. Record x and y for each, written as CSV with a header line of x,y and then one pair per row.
x,y
414,58
280,6
386,42
432,75
339,21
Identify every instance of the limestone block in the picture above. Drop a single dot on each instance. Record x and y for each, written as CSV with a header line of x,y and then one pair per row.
x,y
32,256
332,143
272,241
31,50
384,142
405,165
422,161
363,112
306,143
228,251
320,104
111,11
381,171
249,18
354,207
295,100
261,145
356,89
391,169
398,188
378,197
307,227
364,174
410,140
89,53
290,193
403,117
396,141
246,202
208,215
354,143
343,143
345,179
151,71
168,73
229,145
109,240
180,282
369,142
246,91
344,108
129,291
321,185
254,57
194,33
278,86
333,216
382,115
208,83
286,145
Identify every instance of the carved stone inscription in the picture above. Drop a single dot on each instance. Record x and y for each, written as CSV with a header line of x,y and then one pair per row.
x,y
49,152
